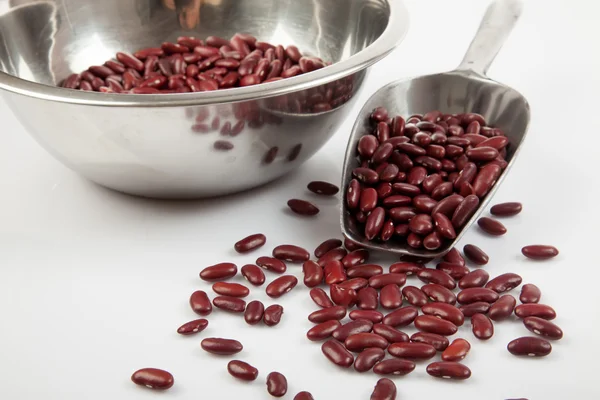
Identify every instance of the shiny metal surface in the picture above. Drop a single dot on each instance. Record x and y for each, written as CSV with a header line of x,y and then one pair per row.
x,y
467,89
144,144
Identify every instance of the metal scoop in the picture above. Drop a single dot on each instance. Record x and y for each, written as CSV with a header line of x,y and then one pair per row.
x,y
466,89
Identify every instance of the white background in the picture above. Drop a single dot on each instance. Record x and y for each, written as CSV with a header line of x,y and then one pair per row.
x,y
94,284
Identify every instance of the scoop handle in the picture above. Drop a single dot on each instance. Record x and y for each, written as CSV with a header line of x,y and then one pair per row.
x,y
498,22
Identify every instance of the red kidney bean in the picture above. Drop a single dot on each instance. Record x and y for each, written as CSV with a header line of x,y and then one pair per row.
x,y
229,303
443,226
385,389
497,142
337,353
388,174
442,190
390,297
291,253
465,211
483,328
432,324
479,307
424,203
368,358
368,200
439,293
272,315
313,274
530,294
271,264
472,295
324,189
367,146
466,175
337,254
470,117
242,370
360,341
401,214
506,209
414,240
392,335
431,182
250,243
544,328
397,126
444,311
428,275
153,378
323,330
381,280
342,296
200,303
456,271
401,317
334,272
254,312
422,139
281,286
304,396
231,289
485,179
352,328
539,252
535,310
530,346
253,274
504,283
369,315
432,241
475,254
503,308
421,224
394,366
221,346
328,314
351,245
375,223
473,279
302,207
365,271
454,257
482,153
412,350
277,384
383,152
192,327
449,370
354,283
447,205
367,299
320,298
407,268
491,226
414,296
219,272
457,351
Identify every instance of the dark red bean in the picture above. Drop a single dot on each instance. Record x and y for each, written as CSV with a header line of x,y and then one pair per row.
x,y
254,312
449,370
401,230
250,243
503,308
504,283
535,310
337,353
439,293
277,384
414,296
390,297
421,224
506,209
383,152
472,295
432,324
422,139
428,275
342,296
375,223
253,274
539,252
454,257
465,211
334,272
302,207
470,117
367,146
304,396
242,370
320,298
439,342
444,311
337,254
475,254
407,268
368,200
474,279
367,299
356,257
354,283
291,253
530,346
328,314
229,303
369,315
456,271
219,272
192,327
402,214
544,328
483,328
352,328
281,286
394,366
457,351
223,145
392,335
482,153
273,314
432,241
366,175
424,203
414,240
385,389
153,378
360,341
447,205
221,346
479,307
401,317
271,264
313,274
200,303
381,280
351,245
485,179
491,226
231,289
530,294
388,174
397,126
323,188
368,358
443,226
412,350
431,182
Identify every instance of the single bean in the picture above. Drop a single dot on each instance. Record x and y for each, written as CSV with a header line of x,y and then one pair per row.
x,y
281,286
200,303
444,311
254,312
432,324
535,310
250,243
472,295
221,346
477,278
385,389
337,353
457,351
369,315
392,335
367,299
328,314
302,207
438,341
229,303
491,226
475,254
439,293
394,366
390,297
219,272
544,328
253,274
428,275
321,298
506,209
231,289
530,346
465,210
414,296
449,370
412,351
539,252
242,370
273,314
504,283
153,378
401,317
530,294
483,328
192,327
479,307
503,308
277,384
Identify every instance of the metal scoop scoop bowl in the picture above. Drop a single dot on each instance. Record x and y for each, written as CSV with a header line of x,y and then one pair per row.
x,y
464,90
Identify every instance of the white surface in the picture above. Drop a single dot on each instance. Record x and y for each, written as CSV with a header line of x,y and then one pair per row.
x,y
94,283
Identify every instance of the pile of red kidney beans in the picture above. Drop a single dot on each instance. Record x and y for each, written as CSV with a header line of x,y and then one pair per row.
x,y
378,301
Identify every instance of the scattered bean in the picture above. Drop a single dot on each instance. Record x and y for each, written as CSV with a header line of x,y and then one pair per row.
x,y
530,346
153,378
221,346
272,315
242,370
539,252
250,243
449,370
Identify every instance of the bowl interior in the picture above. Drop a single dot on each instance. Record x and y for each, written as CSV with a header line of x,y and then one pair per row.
x,y
60,37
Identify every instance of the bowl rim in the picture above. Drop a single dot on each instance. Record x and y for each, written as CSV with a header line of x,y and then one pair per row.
x,y
395,32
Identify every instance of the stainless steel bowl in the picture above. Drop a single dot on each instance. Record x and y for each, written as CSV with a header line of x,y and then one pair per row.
x,y
145,144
